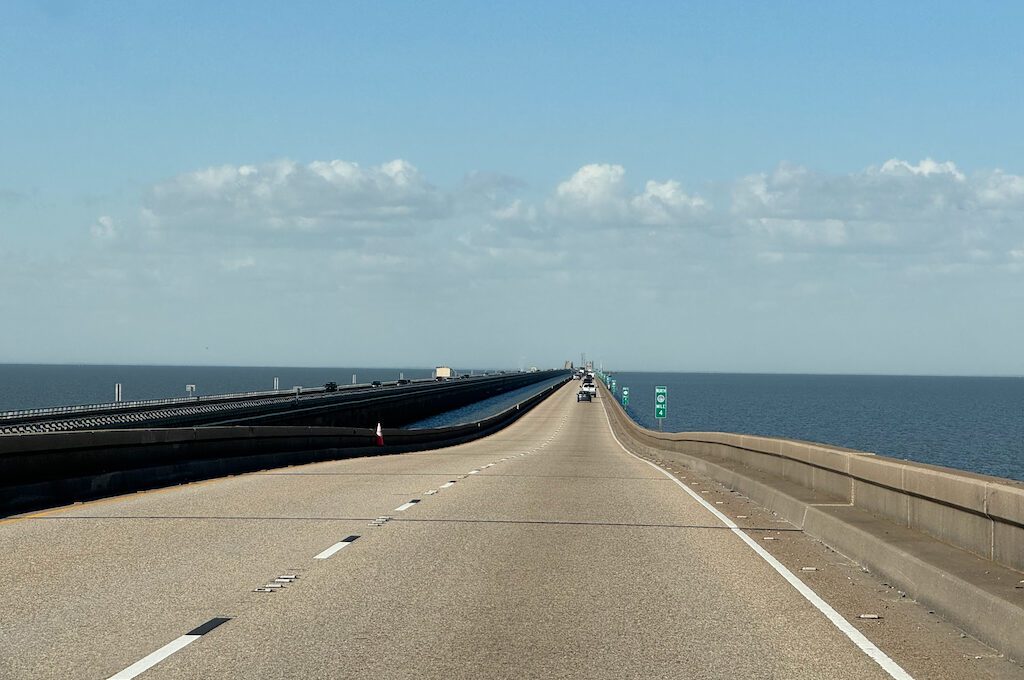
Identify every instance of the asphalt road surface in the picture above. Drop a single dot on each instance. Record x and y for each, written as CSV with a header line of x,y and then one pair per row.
x,y
543,551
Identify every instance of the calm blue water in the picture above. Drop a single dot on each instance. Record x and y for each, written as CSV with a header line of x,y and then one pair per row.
x,y
36,386
483,409
974,424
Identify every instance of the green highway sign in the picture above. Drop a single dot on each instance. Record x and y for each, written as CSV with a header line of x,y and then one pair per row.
x,y
625,396
613,385
660,402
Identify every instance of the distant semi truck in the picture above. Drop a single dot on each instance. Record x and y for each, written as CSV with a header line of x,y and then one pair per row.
x,y
443,373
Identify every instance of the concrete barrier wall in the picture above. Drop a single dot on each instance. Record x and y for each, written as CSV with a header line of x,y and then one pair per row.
x,y
45,470
981,514
876,511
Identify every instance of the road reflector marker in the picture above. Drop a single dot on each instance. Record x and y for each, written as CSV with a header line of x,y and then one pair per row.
x,y
336,547
445,486
808,569
147,662
869,616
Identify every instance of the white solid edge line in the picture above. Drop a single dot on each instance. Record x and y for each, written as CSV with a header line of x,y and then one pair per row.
x,y
855,636
333,549
147,662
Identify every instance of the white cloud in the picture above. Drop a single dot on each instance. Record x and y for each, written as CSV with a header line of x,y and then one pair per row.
x,y
594,192
925,168
598,193
898,207
287,196
104,228
895,209
516,211
665,203
998,189
896,190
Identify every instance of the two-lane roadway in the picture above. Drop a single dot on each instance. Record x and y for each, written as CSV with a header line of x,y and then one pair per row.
x,y
543,551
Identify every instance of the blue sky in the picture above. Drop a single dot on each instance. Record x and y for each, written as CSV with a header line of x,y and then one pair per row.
x,y
792,187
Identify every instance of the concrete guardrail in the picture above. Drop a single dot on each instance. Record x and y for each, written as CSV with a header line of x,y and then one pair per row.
x,y
971,572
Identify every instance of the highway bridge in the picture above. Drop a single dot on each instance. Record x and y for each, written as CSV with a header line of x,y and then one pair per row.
x,y
316,405
565,545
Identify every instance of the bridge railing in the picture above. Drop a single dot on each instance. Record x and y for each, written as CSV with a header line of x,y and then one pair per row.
x,y
169,401
21,414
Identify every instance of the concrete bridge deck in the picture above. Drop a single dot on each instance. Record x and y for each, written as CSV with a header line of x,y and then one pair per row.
x,y
542,551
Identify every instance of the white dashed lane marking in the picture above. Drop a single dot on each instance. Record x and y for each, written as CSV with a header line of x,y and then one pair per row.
x,y
147,662
336,547
405,506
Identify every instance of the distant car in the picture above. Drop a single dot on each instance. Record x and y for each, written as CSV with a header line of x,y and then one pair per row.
x,y
331,387
375,383
583,395
403,381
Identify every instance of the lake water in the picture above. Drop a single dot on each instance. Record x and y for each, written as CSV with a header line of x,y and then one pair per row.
x,y
974,424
